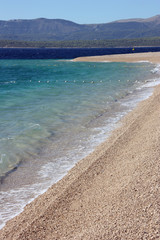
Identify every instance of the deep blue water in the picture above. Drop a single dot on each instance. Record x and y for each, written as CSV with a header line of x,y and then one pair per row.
x,y
66,53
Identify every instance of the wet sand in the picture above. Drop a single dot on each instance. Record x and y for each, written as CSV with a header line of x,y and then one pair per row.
x,y
113,193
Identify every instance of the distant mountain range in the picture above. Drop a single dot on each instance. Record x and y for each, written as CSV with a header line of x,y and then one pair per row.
x,y
42,29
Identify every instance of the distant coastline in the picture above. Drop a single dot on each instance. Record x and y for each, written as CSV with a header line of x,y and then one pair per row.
x,y
137,57
108,43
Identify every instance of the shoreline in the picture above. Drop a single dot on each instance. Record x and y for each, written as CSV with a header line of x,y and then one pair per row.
x,y
85,202
153,57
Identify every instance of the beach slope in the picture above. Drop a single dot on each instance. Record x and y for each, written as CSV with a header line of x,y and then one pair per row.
x,y
111,194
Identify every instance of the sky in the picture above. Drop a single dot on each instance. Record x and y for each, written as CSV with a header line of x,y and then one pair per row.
x,y
79,11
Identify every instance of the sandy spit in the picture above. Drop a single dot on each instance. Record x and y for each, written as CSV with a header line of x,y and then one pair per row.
x,y
153,57
112,194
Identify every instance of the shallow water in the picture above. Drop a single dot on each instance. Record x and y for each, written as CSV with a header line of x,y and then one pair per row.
x,y
53,113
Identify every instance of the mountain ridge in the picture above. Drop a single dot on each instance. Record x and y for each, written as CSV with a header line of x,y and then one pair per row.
x,y
61,29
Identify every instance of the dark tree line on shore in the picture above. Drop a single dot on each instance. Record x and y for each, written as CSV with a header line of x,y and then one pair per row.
x,y
138,42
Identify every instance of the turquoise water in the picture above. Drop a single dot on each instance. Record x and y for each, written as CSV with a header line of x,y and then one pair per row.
x,y
43,98
52,113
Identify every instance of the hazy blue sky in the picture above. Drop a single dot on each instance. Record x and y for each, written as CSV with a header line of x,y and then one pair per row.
x,y
80,11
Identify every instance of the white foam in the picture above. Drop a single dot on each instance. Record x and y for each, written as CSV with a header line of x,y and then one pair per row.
x,y
143,61
156,69
153,83
17,199
34,125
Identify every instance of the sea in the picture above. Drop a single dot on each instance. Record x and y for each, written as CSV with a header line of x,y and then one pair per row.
x,y
54,112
